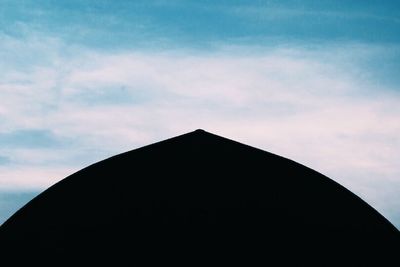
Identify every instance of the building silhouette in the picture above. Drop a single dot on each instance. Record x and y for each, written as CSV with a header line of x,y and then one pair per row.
x,y
198,199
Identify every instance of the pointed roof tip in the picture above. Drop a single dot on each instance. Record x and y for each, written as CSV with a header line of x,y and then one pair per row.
x,y
199,132
202,132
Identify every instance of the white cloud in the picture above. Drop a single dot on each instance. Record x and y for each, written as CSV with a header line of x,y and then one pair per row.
x,y
311,106
31,178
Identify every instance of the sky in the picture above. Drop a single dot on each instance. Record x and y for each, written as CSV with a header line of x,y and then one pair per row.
x,y
314,81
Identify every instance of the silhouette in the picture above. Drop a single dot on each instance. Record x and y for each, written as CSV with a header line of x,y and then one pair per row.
x,y
198,199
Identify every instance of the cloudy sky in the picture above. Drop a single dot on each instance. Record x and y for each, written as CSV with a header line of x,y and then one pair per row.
x,y
315,81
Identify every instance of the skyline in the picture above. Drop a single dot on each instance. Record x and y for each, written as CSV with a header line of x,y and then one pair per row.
x,y
313,81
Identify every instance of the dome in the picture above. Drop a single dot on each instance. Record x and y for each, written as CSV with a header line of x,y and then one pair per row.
x,y
199,198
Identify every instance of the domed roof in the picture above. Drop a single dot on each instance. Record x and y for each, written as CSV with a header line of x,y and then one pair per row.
x,y
198,198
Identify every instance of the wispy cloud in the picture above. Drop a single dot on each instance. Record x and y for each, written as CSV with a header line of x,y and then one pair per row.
x,y
66,107
27,139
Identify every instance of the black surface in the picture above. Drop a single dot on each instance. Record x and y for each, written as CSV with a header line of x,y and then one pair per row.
x,y
198,199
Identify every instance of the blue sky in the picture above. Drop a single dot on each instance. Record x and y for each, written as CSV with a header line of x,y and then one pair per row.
x,y
314,81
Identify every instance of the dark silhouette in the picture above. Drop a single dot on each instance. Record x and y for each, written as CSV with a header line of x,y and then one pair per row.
x,y
198,199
